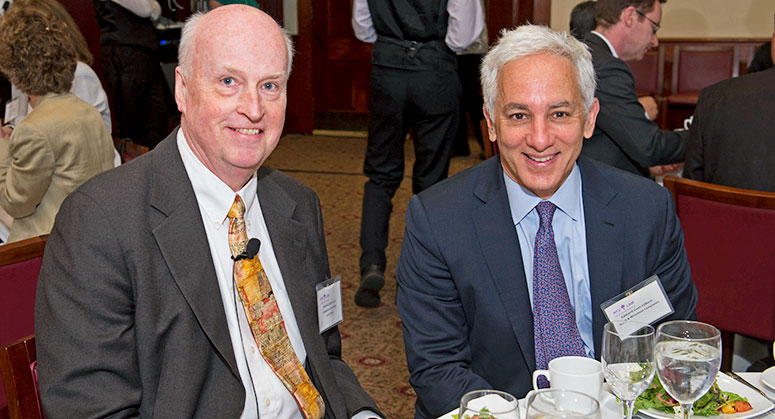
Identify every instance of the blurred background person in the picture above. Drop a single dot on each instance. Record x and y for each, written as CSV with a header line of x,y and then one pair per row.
x,y
217,3
468,61
731,141
128,46
762,59
582,19
63,141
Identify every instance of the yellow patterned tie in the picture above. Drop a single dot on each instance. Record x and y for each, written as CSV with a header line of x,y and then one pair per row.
x,y
265,319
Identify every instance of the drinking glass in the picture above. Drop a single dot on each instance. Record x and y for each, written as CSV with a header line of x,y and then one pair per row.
x,y
561,404
628,360
688,359
488,404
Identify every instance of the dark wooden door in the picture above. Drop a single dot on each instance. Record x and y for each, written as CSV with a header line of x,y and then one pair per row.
x,y
330,81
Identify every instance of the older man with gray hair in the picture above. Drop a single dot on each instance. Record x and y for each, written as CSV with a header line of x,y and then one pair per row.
x,y
153,302
504,266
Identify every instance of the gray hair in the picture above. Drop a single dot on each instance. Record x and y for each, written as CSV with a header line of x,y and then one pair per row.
x,y
535,39
186,48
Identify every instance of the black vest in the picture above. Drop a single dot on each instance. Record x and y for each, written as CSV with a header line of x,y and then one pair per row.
x,y
410,34
119,26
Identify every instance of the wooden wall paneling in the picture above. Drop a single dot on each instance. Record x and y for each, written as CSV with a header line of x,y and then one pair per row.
x,y
299,117
82,12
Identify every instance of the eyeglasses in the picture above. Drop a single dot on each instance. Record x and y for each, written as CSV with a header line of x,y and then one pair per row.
x,y
655,26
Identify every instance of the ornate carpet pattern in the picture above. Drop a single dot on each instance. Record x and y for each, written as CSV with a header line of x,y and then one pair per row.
x,y
372,343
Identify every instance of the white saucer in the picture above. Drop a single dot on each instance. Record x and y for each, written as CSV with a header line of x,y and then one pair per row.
x,y
768,378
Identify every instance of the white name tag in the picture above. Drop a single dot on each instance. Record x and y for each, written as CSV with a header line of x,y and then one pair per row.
x,y
329,303
646,302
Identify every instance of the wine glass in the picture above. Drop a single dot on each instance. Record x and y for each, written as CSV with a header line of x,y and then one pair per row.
x,y
488,404
628,360
688,359
561,404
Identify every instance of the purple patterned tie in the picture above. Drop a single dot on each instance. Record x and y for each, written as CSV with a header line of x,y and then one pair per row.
x,y
554,324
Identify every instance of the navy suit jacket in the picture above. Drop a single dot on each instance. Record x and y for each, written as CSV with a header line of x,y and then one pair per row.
x,y
462,295
129,319
623,136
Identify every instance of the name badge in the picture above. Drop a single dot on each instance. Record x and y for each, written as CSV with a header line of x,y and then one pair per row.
x,y
329,303
646,302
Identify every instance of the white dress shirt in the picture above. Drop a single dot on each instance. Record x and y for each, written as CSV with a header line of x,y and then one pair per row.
x,y
264,391
570,237
142,8
465,23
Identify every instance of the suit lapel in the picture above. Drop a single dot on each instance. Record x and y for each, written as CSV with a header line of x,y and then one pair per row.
x,y
183,244
605,239
500,246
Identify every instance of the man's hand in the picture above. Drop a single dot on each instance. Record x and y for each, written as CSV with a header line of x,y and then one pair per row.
x,y
6,130
665,169
650,105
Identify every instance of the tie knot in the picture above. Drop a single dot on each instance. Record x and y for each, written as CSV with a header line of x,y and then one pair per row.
x,y
546,211
237,209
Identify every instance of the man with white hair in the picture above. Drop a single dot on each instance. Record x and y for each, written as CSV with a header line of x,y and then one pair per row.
x,y
504,266
151,299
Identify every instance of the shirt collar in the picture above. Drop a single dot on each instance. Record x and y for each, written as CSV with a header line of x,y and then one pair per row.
x,y
607,42
522,201
213,195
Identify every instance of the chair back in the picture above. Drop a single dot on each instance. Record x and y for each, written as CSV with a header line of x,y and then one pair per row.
x,y
18,367
696,67
729,242
19,268
649,73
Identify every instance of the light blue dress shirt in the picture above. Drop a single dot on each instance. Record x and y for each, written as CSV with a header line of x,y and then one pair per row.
x,y
570,237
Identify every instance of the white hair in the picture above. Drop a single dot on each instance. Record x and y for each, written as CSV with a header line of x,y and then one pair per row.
x,y
186,47
535,39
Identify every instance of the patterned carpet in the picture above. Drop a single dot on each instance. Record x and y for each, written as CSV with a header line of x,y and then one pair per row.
x,y
371,338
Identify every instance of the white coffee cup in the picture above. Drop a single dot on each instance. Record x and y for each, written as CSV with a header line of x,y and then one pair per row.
x,y
576,373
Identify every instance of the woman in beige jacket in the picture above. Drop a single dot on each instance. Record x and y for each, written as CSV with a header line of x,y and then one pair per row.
x,y
63,141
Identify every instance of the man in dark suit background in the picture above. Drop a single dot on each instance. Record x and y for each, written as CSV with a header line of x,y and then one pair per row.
x,y
137,313
731,140
467,271
624,136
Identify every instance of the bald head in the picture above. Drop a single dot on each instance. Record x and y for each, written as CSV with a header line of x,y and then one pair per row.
x,y
231,22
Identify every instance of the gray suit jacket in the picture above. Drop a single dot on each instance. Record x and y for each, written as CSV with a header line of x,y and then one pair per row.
x,y
732,141
623,136
129,319
462,293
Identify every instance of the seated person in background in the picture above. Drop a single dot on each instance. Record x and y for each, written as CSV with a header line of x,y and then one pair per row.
x,y
154,280
86,84
483,247
624,137
582,19
762,59
62,142
731,140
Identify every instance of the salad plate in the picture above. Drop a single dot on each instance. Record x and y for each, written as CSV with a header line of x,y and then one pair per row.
x,y
768,378
759,403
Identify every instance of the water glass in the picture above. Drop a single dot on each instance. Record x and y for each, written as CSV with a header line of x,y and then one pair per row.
x,y
628,360
688,359
488,404
561,404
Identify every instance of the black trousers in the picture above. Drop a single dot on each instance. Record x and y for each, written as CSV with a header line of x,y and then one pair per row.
x,y
134,78
470,102
425,102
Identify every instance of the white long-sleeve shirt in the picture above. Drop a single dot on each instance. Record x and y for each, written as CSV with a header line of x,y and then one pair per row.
x,y
142,8
465,23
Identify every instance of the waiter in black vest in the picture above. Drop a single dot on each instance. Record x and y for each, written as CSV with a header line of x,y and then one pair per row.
x,y
414,84
131,69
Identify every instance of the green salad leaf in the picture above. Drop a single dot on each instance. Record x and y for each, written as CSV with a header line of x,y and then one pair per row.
x,y
656,397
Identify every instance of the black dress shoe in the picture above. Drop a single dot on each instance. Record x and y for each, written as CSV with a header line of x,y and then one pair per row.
x,y
372,280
